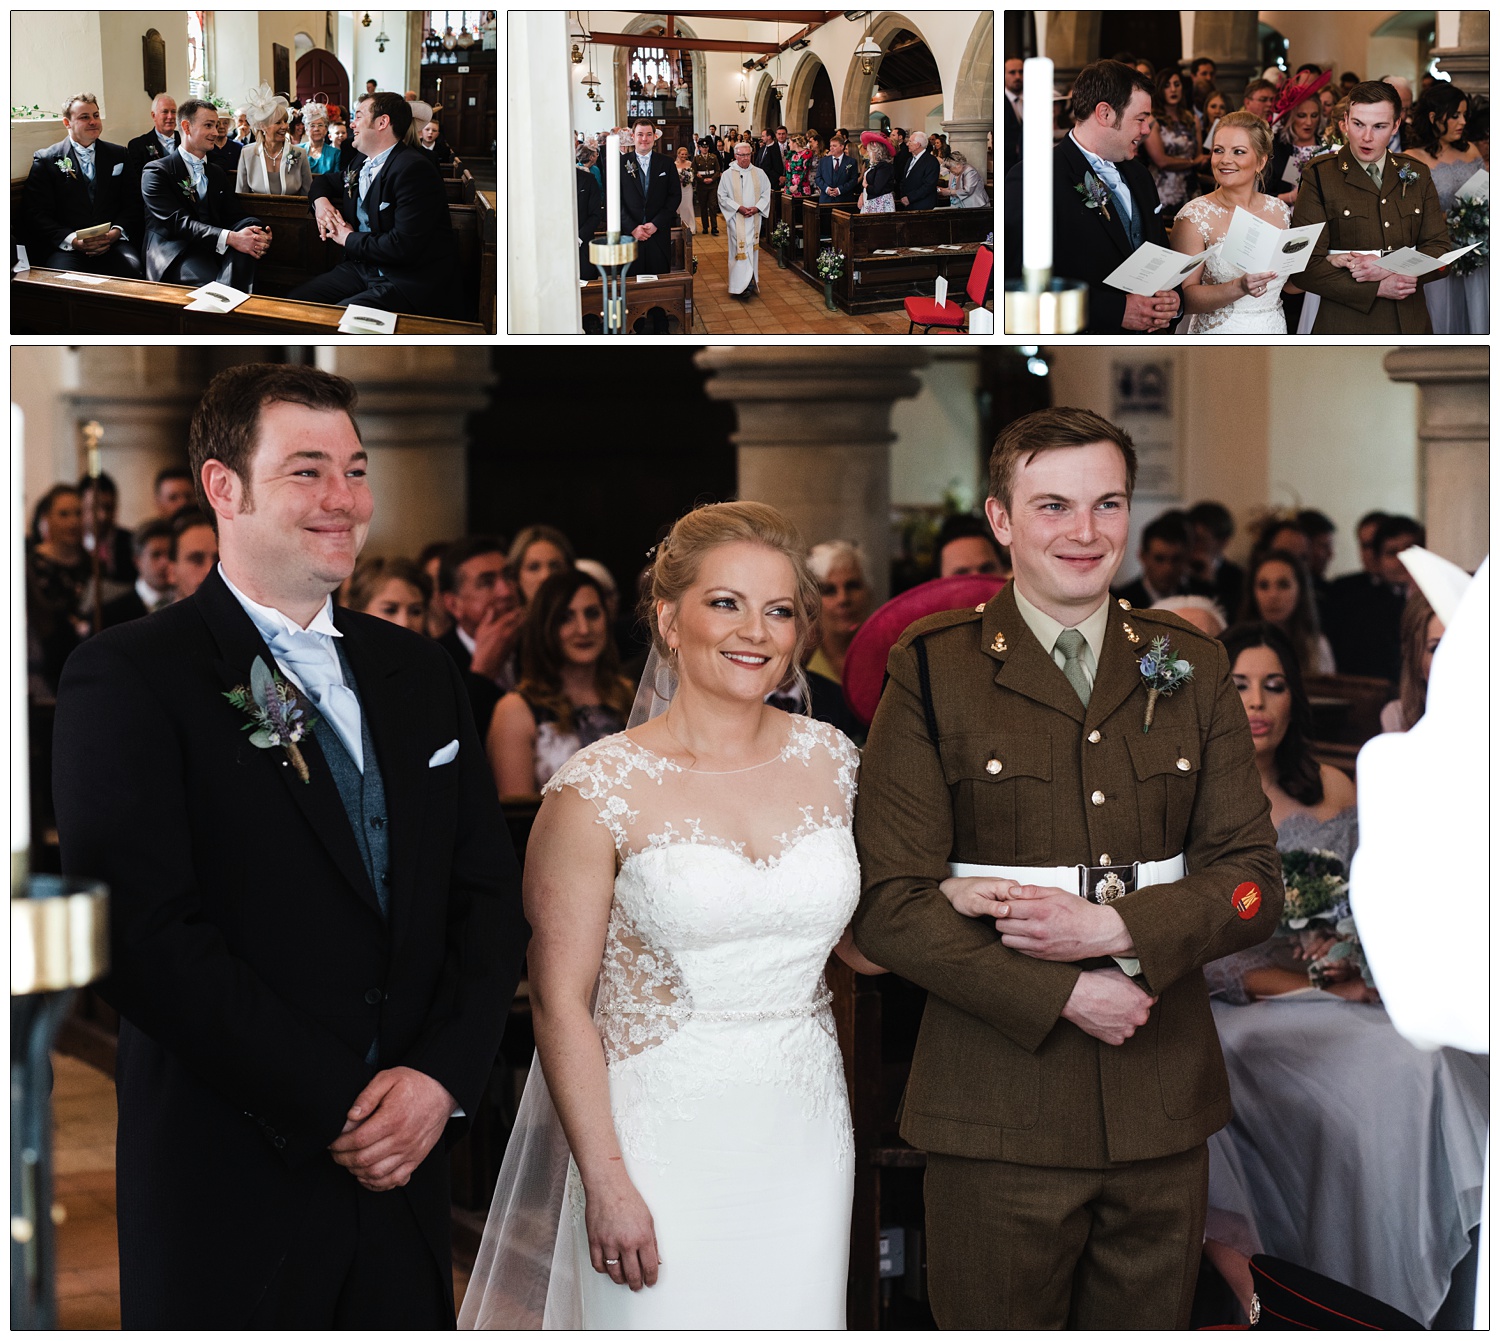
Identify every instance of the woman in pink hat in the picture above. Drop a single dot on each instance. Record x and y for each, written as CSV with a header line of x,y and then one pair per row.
x,y
880,177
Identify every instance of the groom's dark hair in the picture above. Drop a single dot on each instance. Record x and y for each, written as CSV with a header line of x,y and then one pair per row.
x,y
1111,82
227,421
1065,426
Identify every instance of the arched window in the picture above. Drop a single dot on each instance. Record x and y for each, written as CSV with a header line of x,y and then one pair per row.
x,y
198,78
652,63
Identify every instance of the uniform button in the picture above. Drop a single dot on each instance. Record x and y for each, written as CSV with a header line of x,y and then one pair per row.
x,y
1104,859
372,997
1094,737
378,822
993,767
1387,223
1382,202
1097,798
280,1142
1183,765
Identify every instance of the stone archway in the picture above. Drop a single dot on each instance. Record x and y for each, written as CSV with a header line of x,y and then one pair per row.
x,y
799,93
854,101
648,24
761,98
974,93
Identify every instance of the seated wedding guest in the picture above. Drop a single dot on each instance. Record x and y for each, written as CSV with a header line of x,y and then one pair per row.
x,y
116,550
1211,527
482,600
338,134
1172,147
153,587
1320,531
1283,533
389,212
1163,557
431,139
1260,98
274,164
1202,612
1364,610
1220,298
965,545
243,135
172,490
322,154
590,212
569,693
536,554
965,190
80,183
226,151
1421,631
193,235
1279,593
430,560
161,139
839,567
195,550
1104,203
396,590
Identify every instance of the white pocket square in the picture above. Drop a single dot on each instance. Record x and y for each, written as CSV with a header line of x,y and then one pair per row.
x,y
119,168
446,755
1157,210
385,204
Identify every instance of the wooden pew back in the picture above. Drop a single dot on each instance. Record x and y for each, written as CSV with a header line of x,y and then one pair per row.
x,y
872,283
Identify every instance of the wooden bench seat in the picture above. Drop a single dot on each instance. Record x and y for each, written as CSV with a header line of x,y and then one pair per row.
x,y
61,302
672,293
872,283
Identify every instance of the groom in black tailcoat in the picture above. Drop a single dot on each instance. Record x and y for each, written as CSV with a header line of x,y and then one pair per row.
x,y
650,193
1104,202
313,950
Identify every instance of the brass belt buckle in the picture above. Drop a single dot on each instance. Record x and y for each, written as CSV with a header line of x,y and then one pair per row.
x,y
1105,884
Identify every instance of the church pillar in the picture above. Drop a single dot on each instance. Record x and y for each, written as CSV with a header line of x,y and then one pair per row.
x,y
414,401
1453,428
814,436
142,396
968,137
1466,57
1229,38
1072,41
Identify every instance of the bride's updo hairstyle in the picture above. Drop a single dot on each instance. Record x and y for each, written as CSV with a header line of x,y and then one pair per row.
x,y
679,558
1258,131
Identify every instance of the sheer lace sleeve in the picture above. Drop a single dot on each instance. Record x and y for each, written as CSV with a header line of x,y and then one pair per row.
x,y
599,773
1197,213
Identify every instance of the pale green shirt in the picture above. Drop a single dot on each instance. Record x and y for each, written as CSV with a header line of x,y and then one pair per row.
x,y
1046,630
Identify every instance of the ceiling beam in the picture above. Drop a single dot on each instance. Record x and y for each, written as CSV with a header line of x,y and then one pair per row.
x,y
760,15
681,43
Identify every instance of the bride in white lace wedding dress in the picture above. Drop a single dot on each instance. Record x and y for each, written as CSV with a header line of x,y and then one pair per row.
x,y
692,877
1221,299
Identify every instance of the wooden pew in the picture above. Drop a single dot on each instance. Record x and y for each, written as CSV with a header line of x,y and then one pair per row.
x,y
60,302
672,293
489,283
817,229
873,283
460,189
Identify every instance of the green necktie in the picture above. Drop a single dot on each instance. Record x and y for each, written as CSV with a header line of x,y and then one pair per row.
x,y
1071,644
1374,170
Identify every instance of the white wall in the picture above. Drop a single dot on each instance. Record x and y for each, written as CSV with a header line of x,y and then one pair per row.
x,y
388,70
39,375
53,56
236,48
120,33
937,445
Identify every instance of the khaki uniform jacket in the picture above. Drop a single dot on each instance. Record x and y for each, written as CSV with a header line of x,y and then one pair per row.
x,y
1360,216
997,1073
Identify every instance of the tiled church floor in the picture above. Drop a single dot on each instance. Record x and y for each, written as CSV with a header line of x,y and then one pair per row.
x,y
787,304
88,1263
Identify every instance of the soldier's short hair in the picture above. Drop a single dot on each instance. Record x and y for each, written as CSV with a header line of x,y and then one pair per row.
x,y
1109,82
1372,90
1022,440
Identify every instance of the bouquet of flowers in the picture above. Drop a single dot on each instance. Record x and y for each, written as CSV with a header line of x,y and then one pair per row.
x,y
781,234
1469,221
830,263
1317,891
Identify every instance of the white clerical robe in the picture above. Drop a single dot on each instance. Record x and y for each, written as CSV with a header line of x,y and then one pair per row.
x,y
750,187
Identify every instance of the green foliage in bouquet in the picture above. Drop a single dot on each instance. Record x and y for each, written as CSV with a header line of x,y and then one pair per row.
x,y
830,263
1469,221
1316,884
781,234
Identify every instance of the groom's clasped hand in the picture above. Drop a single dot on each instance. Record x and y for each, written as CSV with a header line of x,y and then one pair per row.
x,y
393,1123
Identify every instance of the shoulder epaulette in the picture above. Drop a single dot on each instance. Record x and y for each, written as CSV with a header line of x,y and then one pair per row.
x,y
943,619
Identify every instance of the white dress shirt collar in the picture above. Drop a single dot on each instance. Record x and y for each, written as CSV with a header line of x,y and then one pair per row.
x,y
270,621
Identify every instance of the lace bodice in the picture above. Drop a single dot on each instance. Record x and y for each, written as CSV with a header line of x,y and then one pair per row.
x,y
732,890
1246,315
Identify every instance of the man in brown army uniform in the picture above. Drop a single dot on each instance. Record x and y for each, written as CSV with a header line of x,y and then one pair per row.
x,y
1068,1072
1371,200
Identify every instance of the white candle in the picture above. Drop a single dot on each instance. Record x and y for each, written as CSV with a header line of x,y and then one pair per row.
x,y
20,754
612,186
1036,165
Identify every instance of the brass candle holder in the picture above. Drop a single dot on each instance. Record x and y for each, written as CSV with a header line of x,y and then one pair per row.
x,y
613,257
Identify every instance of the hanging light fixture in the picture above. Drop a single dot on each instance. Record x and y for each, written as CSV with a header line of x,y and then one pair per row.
x,y
365,22
778,84
743,100
868,52
381,38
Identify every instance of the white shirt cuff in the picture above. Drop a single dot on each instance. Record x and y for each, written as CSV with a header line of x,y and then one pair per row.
x,y
67,242
223,241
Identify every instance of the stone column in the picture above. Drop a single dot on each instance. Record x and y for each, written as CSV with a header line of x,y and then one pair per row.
x,y
1071,42
1468,59
968,138
1228,38
142,396
814,436
414,401
1453,428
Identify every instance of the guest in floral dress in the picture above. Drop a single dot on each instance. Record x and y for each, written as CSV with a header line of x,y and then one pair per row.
x,y
1172,148
878,195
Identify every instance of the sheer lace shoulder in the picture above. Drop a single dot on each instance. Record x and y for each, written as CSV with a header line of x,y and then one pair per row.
x,y
1205,216
601,771
1278,211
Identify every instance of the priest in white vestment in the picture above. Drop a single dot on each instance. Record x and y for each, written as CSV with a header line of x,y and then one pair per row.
x,y
744,200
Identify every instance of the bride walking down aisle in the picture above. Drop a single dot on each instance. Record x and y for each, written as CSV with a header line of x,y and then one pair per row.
x,y
689,878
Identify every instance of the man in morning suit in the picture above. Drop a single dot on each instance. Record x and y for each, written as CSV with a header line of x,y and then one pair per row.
x,y
770,159
919,185
1104,203
1068,1073
650,193
154,544
161,139
82,182
838,176
313,949
590,220
192,235
389,212
1014,80
1371,200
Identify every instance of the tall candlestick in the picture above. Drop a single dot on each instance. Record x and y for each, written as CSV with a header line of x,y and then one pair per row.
x,y
20,753
1036,169
612,186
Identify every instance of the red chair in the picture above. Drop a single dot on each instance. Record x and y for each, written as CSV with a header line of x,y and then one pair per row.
x,y
927,313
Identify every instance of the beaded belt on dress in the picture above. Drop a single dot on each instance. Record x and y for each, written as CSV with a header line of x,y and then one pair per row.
x,y
685,1012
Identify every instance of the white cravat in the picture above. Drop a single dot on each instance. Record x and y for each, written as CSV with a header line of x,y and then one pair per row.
x,y
309,658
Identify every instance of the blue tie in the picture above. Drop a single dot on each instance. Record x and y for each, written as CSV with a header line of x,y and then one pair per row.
x,y
200,181
310,657
1129,220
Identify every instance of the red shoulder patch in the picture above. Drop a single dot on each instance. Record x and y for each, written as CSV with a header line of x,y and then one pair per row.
x,y
1247,900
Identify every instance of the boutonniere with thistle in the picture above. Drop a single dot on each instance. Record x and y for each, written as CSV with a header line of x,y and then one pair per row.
x,y
1094,194
65,166
630,167
278,715
1406,174
1163,671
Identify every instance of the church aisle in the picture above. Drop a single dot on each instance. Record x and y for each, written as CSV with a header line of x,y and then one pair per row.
x,y
787,303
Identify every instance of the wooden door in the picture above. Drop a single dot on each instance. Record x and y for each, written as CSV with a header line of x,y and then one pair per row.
x,y
319,71
466,97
